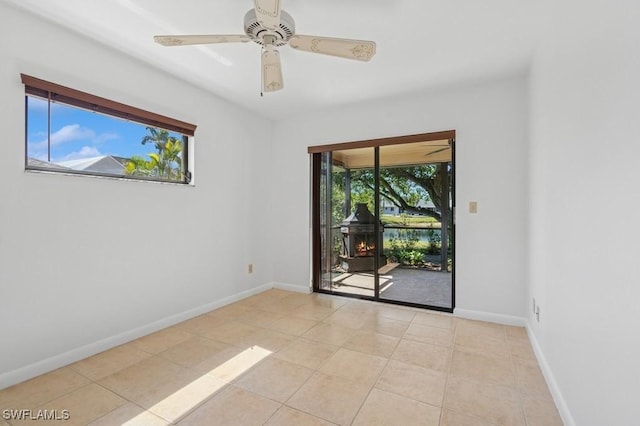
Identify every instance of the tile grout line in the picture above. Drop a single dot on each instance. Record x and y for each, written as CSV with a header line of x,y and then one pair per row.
x,y
315,371
373,386
298,338
446,384
518,383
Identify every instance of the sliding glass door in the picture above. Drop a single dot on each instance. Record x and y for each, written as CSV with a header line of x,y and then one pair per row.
x,y
415,194
347,228
382,220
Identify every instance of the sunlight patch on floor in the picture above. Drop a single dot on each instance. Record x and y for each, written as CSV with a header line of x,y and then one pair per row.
x,y
185,399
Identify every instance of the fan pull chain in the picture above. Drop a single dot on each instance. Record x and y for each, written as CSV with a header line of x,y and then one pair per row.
x,y
261,79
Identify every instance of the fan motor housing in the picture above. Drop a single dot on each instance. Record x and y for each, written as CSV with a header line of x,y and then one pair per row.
x,y
256,31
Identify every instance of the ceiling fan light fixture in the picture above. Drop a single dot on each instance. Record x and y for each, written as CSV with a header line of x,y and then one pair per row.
x,y
256,30
271,27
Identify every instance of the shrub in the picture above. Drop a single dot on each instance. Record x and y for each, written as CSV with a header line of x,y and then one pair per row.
x,y
405,250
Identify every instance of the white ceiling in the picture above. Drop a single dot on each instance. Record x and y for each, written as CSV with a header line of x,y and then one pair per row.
x,y
421,44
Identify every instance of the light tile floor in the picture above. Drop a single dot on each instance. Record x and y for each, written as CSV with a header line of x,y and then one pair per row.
x,y
283,358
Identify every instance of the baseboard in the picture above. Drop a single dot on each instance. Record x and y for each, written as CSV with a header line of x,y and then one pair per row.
x,y
561,404
490,317
291,287
27,372
46,365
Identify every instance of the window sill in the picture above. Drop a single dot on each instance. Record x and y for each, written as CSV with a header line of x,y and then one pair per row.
x,y
107,177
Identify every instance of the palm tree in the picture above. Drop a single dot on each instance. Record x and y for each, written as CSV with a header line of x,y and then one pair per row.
x,y
166,163
159,137
138,166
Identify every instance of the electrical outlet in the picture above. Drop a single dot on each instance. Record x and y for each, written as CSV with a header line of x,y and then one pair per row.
x,y
473,207
250,268
538,313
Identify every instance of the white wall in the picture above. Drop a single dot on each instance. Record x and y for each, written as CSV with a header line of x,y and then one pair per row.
x,y
584,197
84,259
79,262
491,143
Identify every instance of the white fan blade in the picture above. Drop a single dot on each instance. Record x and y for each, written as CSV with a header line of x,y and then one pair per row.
x,y
183,40
268,13
271,70
360,50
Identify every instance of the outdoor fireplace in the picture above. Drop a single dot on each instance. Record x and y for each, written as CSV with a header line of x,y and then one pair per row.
x,y
359,241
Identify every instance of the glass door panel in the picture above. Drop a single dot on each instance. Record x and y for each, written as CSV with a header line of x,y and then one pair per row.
x,y
347,223
415,194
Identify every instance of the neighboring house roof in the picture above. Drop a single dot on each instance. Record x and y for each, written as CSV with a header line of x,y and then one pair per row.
x,y
101,164
32,162
121,160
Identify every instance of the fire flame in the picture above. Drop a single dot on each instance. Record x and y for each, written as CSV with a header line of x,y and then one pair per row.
x,y
363,248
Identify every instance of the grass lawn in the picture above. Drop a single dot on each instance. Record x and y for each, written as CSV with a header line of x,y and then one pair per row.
x,y
417,221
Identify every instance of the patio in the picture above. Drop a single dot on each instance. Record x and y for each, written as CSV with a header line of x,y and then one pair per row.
x,y
402,284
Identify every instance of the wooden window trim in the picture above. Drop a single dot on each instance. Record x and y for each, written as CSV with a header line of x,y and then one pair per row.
x,y
372,143
43,88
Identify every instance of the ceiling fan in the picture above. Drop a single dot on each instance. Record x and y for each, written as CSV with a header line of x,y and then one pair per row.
x,y
271,27
438,149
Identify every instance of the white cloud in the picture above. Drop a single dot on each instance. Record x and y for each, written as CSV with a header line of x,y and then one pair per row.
x,y
68,133
103,137
71,132
42,156
85,152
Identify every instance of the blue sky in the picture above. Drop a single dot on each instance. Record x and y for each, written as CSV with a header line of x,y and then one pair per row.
x,y
77,133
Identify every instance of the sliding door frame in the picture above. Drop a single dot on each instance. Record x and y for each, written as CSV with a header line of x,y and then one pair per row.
x,y
316,169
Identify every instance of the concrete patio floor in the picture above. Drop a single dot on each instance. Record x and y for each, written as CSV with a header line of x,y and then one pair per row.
x,y
412,285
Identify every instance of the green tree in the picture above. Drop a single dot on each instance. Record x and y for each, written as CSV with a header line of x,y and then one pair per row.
x,y
165,163
404,187
138,166
167,160
159,137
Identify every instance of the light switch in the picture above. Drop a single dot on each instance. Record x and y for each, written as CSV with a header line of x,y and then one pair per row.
x,y
473,207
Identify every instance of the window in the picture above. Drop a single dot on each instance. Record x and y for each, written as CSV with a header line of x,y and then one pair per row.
x,y
69,131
